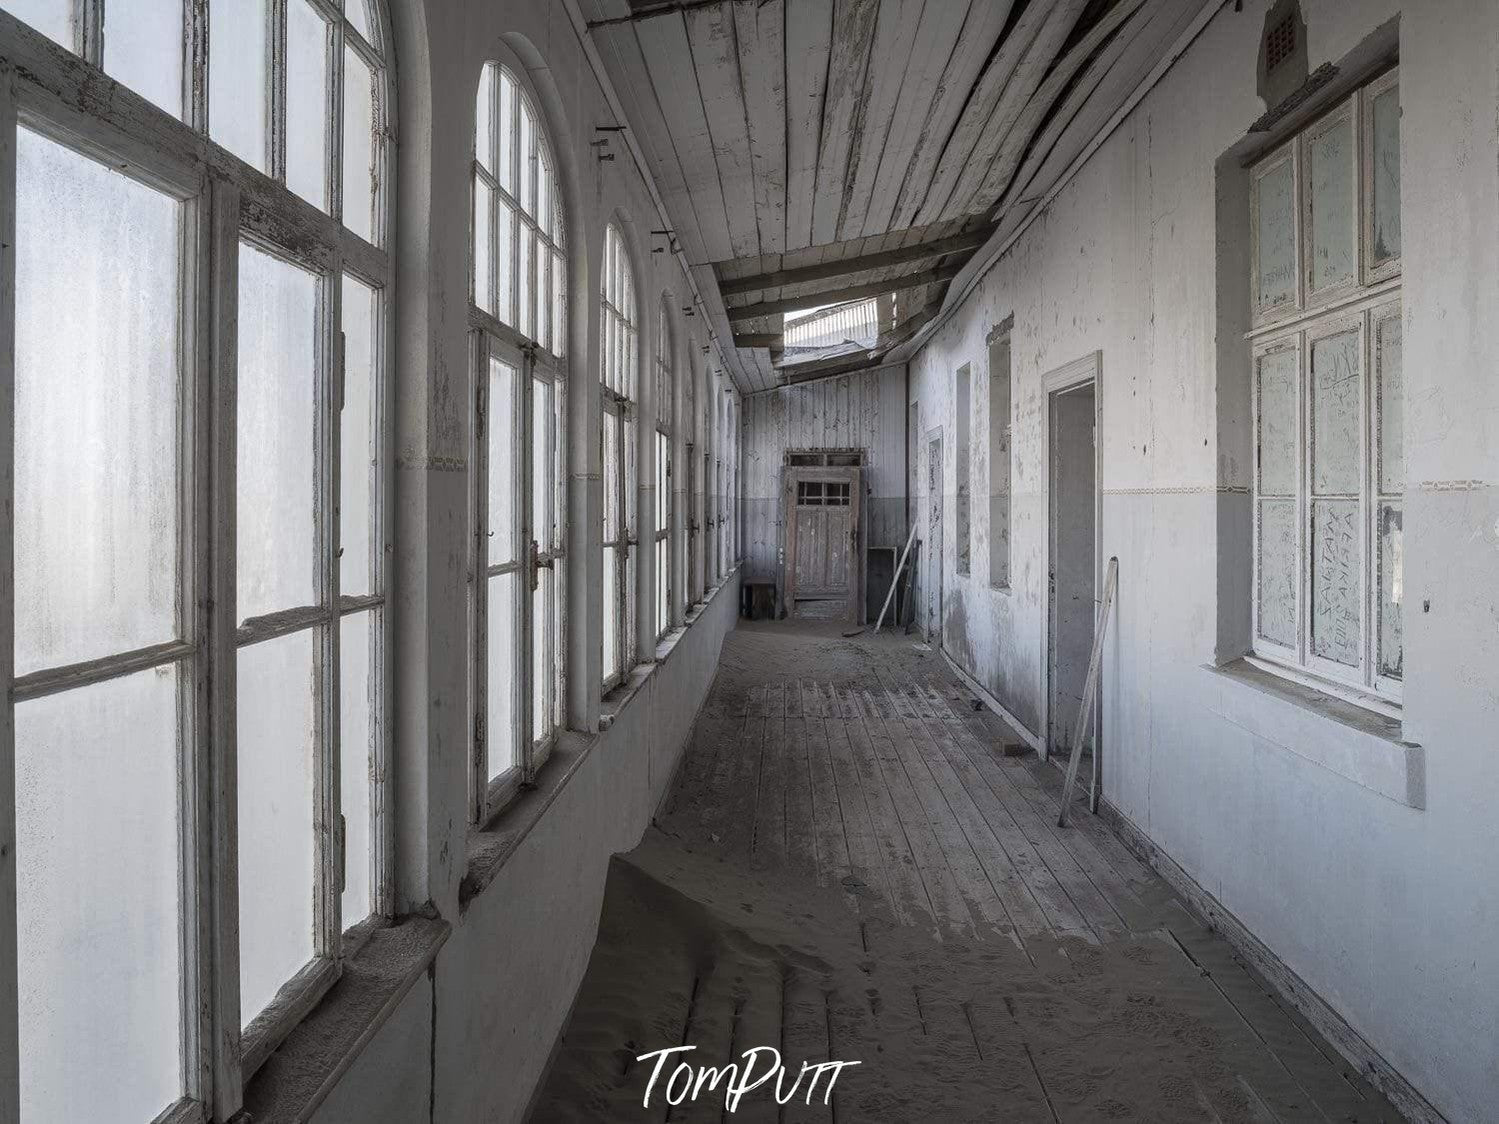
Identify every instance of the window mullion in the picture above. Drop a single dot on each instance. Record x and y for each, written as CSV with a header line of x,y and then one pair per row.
x,y
333,117
528,572
276,119
479,569
328,882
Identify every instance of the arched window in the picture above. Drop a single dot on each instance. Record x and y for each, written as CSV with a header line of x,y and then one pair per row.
x,y
666,382
519,319
196,446
617,371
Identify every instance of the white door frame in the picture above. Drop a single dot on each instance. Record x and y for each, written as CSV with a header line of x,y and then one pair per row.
x,y
1087,369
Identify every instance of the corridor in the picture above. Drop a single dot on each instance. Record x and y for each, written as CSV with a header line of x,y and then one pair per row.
x,y
848,867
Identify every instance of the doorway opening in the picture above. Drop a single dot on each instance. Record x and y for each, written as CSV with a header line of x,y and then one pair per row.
x,y
1072,548
823,574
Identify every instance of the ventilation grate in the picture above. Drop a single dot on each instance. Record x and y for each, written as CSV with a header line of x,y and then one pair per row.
x,y
1280,43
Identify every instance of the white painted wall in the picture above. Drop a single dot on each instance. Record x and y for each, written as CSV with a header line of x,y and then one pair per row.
x,y
1387,911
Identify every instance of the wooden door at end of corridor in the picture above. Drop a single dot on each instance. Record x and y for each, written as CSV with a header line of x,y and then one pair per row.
x,y
823,576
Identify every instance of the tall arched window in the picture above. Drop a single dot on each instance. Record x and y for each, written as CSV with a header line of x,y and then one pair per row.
x,y
519,320
617,372
665,388
193,634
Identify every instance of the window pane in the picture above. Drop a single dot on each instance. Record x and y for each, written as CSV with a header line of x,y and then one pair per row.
x,y
1276,236
277,410
999,464
98,900
543,287
307,103
358,14
1330,172
96,410
543,209
1386,180
543,474
1335,414
559,305
527,159
277,837
505,309
484,119
1389,386
525,284
53,18
143,49
611,477
507,131
611,611
541,655
1335,581
359,451
1278,423
1391,591
356,762
503,749
502,434
661,606
237,69
1277,592
483,271
359,145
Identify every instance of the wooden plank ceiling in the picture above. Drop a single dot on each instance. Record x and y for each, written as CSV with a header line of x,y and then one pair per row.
x,y
811,151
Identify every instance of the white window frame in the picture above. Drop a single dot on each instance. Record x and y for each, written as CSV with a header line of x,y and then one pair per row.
x,y
226,202
666,381
1360,305
618,380
540,547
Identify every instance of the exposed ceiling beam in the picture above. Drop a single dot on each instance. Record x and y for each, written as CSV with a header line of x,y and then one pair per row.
x,y
921,251
854,292
645,10
759,339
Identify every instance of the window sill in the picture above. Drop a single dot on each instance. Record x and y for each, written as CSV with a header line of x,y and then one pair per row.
x,y
305,1068
1356,743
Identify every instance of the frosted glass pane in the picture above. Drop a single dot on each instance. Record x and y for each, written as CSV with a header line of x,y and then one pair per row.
x,y
541,655
1390,388
1391,591
1277,592
97,900
543,209
143,49
237,69
1335,414
277,409
359,145
631,482
277,838
357,12
525,283
1386,182
96,355
359,452
53,18
307,103
612,481
484,119
661,606
543,306
502,692
1335,581
356,761
543,482
611,610
1276,236
483,269
1330,161
506,253
559,305
504,462
527,159
507,131
1278,423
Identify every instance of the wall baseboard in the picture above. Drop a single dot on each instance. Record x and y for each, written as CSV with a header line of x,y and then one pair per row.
x,y
1031,738
1354,1047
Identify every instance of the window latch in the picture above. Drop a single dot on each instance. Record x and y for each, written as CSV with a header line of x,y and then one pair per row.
x,y
538,563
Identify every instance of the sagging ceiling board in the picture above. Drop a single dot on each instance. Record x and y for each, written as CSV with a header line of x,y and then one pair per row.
x,y
811,151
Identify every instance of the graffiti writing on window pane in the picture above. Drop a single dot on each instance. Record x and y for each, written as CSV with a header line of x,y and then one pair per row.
x,y
1335,581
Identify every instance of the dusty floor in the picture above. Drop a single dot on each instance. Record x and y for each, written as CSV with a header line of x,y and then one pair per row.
x,y
848,868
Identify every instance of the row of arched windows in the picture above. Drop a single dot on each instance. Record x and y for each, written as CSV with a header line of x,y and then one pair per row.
x,y
196,640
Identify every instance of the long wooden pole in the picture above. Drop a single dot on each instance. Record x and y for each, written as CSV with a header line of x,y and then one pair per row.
x,y
1085,708
901,565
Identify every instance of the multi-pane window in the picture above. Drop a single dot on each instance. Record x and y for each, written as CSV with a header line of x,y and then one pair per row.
x,y
617,335
665,387
195,444
1329,467
519,326
999,462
